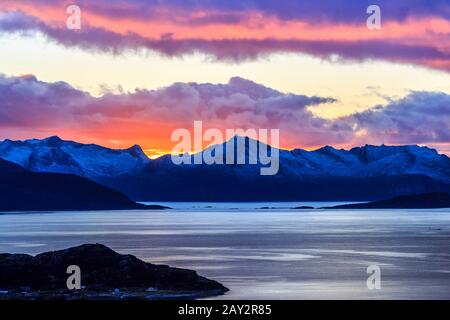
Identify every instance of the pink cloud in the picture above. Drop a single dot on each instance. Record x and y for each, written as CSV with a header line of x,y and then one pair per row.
x,y
35,109
229,34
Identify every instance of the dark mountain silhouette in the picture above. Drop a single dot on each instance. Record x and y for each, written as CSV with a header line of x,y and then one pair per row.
x,y
102,270
417,201
360,174
24,190
327,174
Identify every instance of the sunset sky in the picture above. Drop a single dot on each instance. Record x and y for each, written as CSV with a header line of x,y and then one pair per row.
x,y
138,69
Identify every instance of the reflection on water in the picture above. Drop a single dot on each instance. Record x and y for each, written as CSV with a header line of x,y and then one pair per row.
x,y
264,254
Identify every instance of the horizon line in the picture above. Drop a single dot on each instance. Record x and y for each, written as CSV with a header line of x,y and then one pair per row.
x,y
158,153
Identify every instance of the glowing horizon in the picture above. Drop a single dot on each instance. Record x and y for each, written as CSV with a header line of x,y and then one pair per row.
x,y
136,71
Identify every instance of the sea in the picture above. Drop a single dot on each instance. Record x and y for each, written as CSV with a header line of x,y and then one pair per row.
x,y
264,250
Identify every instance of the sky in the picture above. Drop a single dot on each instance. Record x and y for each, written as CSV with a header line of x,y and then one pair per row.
x,y
136,70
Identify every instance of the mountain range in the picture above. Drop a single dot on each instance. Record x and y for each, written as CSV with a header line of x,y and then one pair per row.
x,y
23,190
326,174
432,200
88,160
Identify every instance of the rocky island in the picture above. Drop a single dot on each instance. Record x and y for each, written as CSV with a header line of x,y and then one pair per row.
x,y
104,274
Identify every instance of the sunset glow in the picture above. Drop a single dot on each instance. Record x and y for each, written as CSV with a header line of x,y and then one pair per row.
x,y
137,70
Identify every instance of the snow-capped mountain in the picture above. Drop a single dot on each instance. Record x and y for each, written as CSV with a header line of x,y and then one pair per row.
x,y
88,160
368,161
327,161
362,173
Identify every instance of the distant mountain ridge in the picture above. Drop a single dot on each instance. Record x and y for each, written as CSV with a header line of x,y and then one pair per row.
x,y
373,160
433,200
56,155
22,190
361,173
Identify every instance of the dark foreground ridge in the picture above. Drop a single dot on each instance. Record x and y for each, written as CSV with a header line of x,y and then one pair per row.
x,y
23,190
433,200
103,271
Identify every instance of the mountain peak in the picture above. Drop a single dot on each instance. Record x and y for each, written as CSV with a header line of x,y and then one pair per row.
x,y
53,139
137,151
326,149
247,141
135,147
238,137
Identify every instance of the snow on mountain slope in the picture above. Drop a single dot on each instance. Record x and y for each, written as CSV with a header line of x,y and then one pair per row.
x,y
408,159
369,161
55,155
327,162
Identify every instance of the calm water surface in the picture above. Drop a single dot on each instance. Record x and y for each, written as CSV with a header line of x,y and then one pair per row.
x,y
276,253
